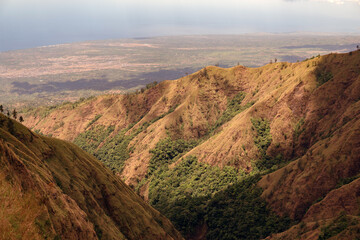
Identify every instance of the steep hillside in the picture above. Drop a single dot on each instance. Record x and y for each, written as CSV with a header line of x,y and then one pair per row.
x,y
198,143
52,189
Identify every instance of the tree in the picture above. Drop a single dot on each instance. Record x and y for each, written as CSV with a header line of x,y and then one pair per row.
x,y
1,108
8,113
357,47
14,113
21,119
275,60
10,126
205,74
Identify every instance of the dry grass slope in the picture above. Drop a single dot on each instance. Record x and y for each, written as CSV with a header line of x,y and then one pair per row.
x,y
56,190
313,111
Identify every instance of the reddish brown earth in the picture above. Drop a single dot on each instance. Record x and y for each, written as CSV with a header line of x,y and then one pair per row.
x,y
52,189
316,128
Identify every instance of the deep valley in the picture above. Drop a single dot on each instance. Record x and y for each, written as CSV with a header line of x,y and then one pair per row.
x,y
233,153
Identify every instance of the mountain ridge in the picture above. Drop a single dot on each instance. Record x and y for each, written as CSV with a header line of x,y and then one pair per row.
x,y
294,123
58,191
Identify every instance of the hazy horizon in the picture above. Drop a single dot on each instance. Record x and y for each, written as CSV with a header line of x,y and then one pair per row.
x,y
27,24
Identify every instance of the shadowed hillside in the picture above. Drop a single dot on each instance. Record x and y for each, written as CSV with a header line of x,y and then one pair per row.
x,y
51,189
195,144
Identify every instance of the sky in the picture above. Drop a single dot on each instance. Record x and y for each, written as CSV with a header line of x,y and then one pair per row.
x,y
32,23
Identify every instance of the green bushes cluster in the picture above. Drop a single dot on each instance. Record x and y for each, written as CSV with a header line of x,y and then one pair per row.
x,y
181,193
151,85
91,139
163,115
114,152
111,151
166,150
299,128
239,212
262,141
263,138
233,108
344,181
194,193
191,178
323,76
226,200
94,120
337,226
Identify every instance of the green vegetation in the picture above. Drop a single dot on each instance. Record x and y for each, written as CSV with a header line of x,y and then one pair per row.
x,y
226,200
181,193
98,231
162,115
114,152
192,193
89,193
94,120
299,128
336,226
44,226
166,150
240,213
263,140
233,108
14,114
323,76
345,181
191,177
91,139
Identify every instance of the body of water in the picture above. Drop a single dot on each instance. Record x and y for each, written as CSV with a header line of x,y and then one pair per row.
x,y
32,23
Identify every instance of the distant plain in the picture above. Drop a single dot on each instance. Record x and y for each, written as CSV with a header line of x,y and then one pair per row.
x,y
53,74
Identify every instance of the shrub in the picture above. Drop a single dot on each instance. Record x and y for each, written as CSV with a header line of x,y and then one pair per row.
x,y
299,128
91,139
233,108
94,120
262,141
239,212
263,138
181,193
114,152
336,227
166,150
111,151
323,75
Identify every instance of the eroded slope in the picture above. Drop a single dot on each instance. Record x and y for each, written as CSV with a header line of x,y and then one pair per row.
x,y
54,189
295,124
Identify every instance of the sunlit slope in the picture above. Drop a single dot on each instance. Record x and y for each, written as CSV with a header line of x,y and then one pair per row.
x,y
53,189
197,107
296,124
